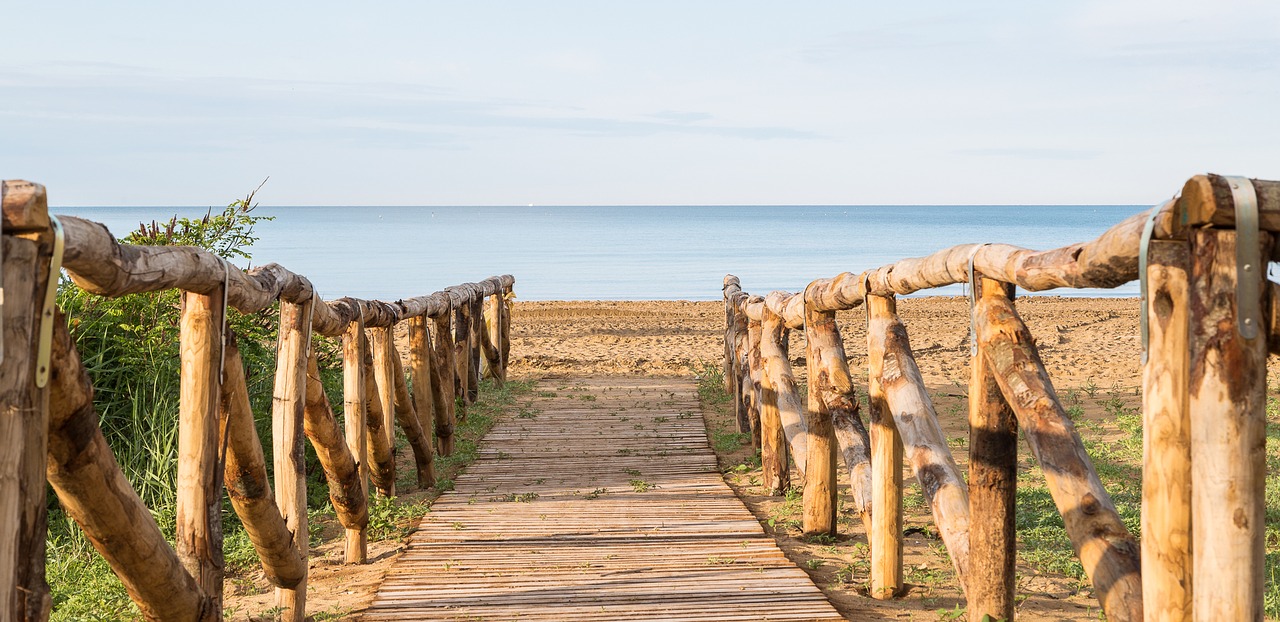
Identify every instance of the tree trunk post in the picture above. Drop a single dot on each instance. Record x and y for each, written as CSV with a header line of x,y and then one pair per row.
x,y
383,350
831,389
1227,395
423,407
753,383
1100,539
199,499
886,463
494,364
382,463
993,478
1166,438
737,377
248,487
505,308
776,475
461,352
475,332
777,365
822,348
341,471
288,405
443,398
353,412
93,491
24,406
923,443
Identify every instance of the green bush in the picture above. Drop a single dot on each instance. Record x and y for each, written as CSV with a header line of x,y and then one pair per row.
x,y
129,346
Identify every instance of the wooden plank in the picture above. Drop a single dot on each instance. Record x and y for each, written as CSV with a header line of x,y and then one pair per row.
x,y
564,527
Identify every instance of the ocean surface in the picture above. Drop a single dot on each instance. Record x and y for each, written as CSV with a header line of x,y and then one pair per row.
x,y
626,253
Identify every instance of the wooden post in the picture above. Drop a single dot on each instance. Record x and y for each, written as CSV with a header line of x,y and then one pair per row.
x,y
886,463
461,329
993,478
353,410
382,463
922,440
494,365
1227,397
289,399
505,308
246,479
820,475
383,350
776,475
739,376
831,390
1166,439
732,291
24,407
94,492
407,416
443,398
777,366
474,331
466,348
420,367
753,383
199,503
346,489
1104,545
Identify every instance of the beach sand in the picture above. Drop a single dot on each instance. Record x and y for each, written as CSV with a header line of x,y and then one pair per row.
x,y
1079,338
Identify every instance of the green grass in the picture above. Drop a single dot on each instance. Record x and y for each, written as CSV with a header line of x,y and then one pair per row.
x,y
1118,461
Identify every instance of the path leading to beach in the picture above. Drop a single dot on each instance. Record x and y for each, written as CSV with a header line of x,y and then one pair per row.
x,y
602,501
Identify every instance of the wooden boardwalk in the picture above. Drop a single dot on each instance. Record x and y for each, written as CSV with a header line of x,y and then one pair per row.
x,y
600,502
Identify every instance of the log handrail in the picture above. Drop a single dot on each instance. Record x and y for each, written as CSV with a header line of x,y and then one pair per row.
x,y
186,583
1195,348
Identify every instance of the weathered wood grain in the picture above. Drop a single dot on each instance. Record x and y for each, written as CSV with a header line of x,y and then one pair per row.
x,y
552,523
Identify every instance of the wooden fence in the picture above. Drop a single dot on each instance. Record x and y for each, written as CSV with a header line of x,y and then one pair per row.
x,y
1208,316
51,433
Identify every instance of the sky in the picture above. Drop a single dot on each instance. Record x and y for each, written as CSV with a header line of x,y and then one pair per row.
x,y
641,103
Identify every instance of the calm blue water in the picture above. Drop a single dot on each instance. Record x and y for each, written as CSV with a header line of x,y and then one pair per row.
x,y
626,253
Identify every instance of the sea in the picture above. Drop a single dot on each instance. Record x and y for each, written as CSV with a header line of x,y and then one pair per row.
x,y
626,252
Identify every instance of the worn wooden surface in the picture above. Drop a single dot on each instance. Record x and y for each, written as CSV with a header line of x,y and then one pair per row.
x,y
199,499
886,463
1166,439
1227,427
590,545
993,484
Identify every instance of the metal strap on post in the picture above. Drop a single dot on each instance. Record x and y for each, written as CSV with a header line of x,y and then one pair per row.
x,y
1248,257
45,347
1143,251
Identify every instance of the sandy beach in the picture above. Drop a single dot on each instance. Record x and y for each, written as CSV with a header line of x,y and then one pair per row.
x,y
1080,339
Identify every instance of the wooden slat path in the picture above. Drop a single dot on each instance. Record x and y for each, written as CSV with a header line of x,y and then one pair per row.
x,y
600,503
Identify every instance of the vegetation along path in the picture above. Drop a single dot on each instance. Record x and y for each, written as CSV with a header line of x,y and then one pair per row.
x,y
603,502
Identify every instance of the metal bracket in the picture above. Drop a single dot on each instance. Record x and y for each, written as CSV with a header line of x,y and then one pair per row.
x,y
1143,251
1248,257
45,347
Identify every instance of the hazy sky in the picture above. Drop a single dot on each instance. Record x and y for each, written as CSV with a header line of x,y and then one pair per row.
x,y
478,103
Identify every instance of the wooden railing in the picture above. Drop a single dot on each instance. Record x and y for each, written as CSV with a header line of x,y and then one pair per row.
x,y
1209,313
49,429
